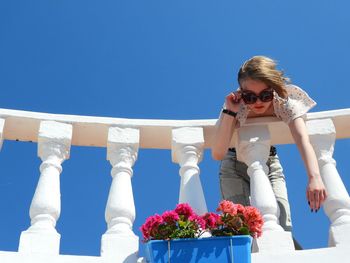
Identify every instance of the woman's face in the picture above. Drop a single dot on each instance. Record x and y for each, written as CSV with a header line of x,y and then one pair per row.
x,y
256,87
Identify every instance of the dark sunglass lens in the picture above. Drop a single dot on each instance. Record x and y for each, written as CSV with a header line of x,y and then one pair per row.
x,y
249,98
266,96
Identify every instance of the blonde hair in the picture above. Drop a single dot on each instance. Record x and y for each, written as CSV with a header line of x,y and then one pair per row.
x,y
264,69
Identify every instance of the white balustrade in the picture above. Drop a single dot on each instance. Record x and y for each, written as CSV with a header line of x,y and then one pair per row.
x,y
254,148
337,205
186,140
187,150
119,242
2,125
54,141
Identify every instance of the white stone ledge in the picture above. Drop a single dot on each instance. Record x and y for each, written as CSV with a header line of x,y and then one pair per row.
x,y
15,257
156,134
323,255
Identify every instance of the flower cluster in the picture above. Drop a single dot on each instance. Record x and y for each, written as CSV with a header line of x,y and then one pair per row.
x,y
183,222
235,219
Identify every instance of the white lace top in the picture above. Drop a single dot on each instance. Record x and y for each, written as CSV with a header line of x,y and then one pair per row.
x,y
297,104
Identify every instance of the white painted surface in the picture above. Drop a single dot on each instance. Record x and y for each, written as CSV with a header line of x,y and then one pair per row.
x,y
337,204
53,148
254,149
123,137
324,255
2,125
155,134
120,242
187,150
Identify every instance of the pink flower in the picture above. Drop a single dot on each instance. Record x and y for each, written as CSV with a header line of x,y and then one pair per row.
x,y
185,210
197,220
211,220
150,227
239,208
170,217
183,222
219,221
254,220
227,207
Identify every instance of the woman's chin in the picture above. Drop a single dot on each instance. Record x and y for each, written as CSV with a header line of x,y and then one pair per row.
x,y
259,110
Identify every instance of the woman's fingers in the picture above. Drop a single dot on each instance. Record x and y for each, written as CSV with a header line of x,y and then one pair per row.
x,y
230,98
322,197
311,199
233,97
316,193
316,199
232,101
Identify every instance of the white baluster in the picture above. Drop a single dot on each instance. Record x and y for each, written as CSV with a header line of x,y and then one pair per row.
x,y
54,143
119,242
337,205
253,149
187,150
2,125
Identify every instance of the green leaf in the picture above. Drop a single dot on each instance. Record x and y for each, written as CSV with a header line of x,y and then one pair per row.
x,y
244,231
182,223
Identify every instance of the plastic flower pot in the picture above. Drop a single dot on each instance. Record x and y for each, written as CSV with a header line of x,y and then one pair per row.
x,y
230,249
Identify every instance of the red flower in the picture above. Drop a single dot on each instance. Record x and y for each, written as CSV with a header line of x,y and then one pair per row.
x,y
150,227
239,208
198,221
170,217
182,222
211,220
254,220
228,207
184,210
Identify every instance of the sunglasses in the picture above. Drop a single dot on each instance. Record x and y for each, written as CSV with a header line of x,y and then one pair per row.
x,y
250,97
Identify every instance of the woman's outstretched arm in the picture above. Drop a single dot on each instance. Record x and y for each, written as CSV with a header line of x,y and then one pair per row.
x,y
315,191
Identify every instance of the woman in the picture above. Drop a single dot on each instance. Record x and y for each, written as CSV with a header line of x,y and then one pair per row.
x,y
265,91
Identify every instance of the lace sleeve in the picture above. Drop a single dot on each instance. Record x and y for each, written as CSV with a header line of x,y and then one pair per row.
x,y
242,114
297,104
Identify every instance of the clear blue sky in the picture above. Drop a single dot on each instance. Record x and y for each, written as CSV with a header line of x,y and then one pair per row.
x,y
155,59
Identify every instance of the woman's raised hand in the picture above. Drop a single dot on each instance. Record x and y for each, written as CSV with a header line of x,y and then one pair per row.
x,y
232,101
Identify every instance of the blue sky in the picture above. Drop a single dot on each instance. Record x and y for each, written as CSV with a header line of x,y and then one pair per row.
x,y
155,59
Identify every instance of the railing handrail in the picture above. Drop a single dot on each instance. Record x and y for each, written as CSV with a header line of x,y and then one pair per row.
x,y
154,133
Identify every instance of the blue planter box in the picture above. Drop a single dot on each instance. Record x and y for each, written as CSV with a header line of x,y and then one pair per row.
x,y
232,249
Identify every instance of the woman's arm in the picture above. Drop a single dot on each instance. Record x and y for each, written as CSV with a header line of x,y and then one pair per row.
x,y
315,191
224,128
222,137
